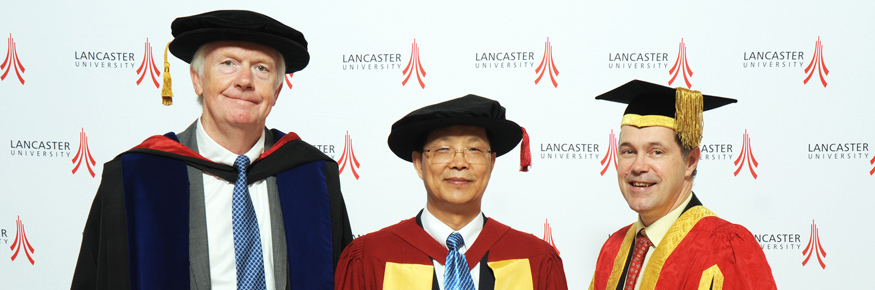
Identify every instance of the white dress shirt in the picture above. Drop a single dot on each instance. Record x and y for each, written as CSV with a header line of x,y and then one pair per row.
x,y
441,232
217,202
656,231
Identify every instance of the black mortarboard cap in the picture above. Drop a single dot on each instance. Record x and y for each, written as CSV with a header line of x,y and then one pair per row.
x,y
409,133
678,109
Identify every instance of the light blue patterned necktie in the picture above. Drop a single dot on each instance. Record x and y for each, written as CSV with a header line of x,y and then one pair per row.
x,y
247,238
457,276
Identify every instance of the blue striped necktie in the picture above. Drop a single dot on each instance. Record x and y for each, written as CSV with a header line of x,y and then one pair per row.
x,y
457,276
247,238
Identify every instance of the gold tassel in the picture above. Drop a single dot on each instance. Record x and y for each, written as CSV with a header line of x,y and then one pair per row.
x,y
688,114
167,90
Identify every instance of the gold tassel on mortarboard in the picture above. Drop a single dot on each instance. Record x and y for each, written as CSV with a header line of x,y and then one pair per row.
x,y
688,115
167,90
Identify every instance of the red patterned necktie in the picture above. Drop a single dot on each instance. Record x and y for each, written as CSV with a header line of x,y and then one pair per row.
x,y
642,244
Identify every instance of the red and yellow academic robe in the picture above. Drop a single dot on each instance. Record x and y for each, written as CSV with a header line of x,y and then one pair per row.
x,y
700,251
400,257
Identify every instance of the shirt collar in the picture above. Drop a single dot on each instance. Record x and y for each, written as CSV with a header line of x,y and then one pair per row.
x,y
440,231
660,227
208,148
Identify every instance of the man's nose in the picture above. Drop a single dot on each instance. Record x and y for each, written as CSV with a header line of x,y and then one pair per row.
x,y
243,81
459,160
639,165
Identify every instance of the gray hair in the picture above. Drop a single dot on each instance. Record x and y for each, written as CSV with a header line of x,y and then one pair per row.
x,y
197,64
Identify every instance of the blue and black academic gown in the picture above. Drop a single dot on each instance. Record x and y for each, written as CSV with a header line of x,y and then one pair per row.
x,y
137,233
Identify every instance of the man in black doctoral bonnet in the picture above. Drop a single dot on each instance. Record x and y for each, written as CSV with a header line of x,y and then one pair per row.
x,y
226,203
451,244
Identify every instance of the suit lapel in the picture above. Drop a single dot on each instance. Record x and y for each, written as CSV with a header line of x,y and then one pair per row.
x,y
199,255
199,258
694,201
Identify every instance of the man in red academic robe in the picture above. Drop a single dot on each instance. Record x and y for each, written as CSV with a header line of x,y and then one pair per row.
x,y
676,243
451,244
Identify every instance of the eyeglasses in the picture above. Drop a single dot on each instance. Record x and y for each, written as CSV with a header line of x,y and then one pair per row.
x,y
473,155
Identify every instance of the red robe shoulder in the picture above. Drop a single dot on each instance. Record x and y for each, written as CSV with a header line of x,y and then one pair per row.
x,y
400,257
700,251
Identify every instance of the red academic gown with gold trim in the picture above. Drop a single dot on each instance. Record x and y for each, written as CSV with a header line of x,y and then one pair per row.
x,y
700,251
400,257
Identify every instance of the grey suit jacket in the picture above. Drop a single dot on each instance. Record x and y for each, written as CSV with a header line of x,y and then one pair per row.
x,y
199,257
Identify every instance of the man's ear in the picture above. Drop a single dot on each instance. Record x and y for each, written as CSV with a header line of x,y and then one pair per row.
x,y
693,161
276,95
196,82
416,156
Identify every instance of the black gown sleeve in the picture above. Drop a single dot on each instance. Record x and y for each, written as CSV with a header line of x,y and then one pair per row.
x,y
103,256
340,228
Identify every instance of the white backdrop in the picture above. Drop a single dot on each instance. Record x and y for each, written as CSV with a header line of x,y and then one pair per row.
x,y
812,142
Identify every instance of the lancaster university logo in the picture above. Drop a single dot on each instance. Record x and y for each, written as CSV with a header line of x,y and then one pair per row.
x,y
414,64
872,162
746,156
548,235
814,247
11,62
547,64
611,157
288,78
348,157
148,66
817,62
84,154
681,65
21,242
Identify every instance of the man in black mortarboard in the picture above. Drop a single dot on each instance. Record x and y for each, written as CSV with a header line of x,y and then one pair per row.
x,y
676,243
451,244
226,203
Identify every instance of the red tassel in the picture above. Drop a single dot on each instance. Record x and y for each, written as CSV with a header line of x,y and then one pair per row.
x,y
525,153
